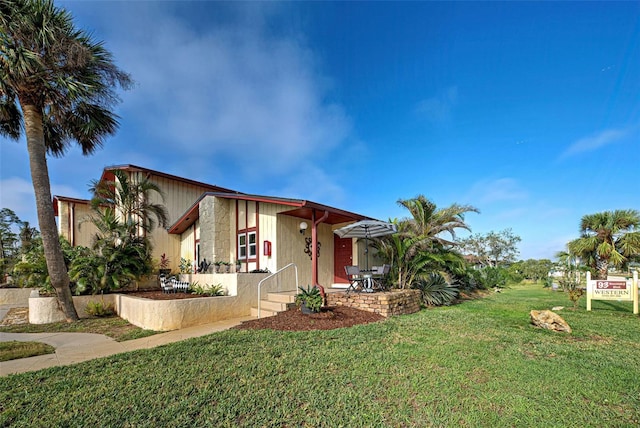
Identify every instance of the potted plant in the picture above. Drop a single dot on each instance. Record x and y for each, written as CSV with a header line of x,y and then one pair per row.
x,y
238,266
164,265
309,300
218,264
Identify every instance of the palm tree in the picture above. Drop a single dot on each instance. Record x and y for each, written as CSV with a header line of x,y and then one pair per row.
x,y
419,247
131,199
431,223
120,258
58,85
609,238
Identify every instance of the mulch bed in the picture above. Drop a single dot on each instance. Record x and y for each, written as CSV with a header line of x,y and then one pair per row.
x,y
328,319
159,295
15,316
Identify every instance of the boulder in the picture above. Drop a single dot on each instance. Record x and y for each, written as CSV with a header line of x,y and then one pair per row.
x,y
549,320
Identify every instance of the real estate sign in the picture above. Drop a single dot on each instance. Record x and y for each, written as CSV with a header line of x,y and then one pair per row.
x,y
620,290
612,290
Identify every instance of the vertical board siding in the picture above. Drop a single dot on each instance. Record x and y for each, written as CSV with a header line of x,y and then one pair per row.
x,y
84,229
268,232
178,198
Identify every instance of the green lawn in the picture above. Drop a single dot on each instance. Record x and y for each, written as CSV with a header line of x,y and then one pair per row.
x,y
15,350
476,364
114,327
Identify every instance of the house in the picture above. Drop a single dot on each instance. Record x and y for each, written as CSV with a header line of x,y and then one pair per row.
x,y
219,224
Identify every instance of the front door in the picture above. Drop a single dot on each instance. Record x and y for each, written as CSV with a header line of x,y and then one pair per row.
x,y
342,256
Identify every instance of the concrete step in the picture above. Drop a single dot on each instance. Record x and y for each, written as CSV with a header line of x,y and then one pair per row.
x,y
284,297
263,313
275,306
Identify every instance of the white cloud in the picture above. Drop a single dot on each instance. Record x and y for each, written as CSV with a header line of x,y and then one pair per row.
x,y
230,89
595,142
438,109
17,195
490,191
314,184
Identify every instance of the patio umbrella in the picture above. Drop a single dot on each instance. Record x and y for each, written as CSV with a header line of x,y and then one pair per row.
x,y
366,229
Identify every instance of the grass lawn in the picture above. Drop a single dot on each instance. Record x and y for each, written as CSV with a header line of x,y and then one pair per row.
x,y
114,327
14,350
480,363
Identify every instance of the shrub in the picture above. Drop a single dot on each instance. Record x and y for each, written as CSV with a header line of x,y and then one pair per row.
x,y
32,270
436,291
310,297
215,290
208,290
100,309
494,277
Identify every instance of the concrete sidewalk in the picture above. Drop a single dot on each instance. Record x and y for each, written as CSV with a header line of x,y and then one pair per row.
x,y
73,348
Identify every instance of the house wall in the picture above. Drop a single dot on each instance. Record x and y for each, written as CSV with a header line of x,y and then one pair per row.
x,y
74,224
268,231
187,240
178,198
219,223
290,245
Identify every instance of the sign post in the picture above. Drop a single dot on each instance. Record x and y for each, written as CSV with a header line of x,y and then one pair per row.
x,y
634,287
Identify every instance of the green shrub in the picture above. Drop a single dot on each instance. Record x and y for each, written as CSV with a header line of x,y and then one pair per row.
x,y
436,291
100,309
310,297
196,288
215,290
494,277
207,290
32,270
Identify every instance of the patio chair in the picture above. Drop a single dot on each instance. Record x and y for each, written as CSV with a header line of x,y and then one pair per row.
x,y
354,277
378,275
166,284
182,286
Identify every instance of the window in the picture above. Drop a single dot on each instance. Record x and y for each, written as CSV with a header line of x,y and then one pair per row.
x,y
252,245
247,245
242,246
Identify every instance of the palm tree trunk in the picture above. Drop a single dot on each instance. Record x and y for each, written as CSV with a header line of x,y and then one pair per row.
x,y
603,269
44,206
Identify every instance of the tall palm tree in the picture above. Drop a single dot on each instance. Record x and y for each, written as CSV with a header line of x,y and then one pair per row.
x,y
421,245
131,199
609,238
58,85
431,223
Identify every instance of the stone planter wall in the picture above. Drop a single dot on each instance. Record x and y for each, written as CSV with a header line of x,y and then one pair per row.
x,y
388,303
163,315
15,296
45,310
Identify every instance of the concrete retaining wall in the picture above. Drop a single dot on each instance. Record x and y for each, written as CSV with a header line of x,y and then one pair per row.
x,y
388,303
15,296
45,310
164,315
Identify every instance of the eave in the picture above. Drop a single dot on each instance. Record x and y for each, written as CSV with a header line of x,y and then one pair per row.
x,y
57,199
299,208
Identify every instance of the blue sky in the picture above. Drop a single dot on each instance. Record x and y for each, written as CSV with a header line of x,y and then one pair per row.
x,y
529,111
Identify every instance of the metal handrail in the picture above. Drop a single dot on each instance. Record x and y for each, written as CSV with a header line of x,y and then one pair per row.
x,y
271,276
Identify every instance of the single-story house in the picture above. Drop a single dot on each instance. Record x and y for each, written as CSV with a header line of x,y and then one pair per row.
x,y
218,224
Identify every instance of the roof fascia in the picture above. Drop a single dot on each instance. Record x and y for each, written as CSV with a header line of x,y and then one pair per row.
x,y
135,168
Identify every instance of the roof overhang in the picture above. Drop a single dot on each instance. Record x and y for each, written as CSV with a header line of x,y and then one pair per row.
x,y
57,199
107,174
299,208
